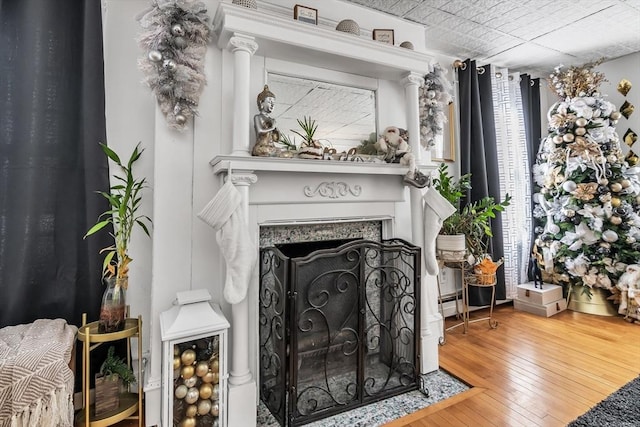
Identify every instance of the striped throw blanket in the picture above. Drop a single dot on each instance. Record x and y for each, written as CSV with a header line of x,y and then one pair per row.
x,y
36,383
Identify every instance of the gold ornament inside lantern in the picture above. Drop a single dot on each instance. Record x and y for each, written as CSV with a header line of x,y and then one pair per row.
x,y
206,390
176,362
204,406
187,371
215,408
188,357
181,391
190,382
191,411
188,422
192,395
202,368
208,378
216,392
214,364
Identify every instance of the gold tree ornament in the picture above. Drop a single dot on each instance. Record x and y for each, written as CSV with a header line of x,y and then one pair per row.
x,y
576,81
624,86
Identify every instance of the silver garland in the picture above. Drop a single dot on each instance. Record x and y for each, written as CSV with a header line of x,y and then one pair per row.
x,y
175,43
434,97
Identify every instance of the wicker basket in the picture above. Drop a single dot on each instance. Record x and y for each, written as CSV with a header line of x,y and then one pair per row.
x,y
478,278
484,279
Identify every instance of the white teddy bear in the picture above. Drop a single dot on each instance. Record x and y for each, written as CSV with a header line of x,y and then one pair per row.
x,y
393,144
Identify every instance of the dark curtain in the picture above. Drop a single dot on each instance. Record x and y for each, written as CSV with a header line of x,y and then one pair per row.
x,y
51,120
478,155
530,90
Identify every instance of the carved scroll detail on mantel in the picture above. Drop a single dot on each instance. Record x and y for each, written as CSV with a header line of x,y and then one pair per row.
x,y
333,190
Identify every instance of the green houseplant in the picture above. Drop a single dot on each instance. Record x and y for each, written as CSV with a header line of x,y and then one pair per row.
x,y
114,373
125,198
474,219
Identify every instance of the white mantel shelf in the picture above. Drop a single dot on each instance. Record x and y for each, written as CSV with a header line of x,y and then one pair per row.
x,y
222,164
284,38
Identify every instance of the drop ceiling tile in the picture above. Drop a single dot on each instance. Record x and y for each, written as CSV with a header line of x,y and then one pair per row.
x,y
454,6
561,30
517,55
423,13
486,4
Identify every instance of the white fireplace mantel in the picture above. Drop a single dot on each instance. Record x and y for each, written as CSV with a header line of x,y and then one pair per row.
x,y
281,189
281,37
276,164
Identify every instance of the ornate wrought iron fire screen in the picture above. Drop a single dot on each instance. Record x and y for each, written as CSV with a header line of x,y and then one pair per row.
x,y
338,326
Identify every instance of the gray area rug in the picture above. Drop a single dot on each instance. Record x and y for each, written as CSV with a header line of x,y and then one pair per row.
x,y
439,383
621,409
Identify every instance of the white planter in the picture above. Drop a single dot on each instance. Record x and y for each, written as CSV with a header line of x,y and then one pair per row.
x,y
451,247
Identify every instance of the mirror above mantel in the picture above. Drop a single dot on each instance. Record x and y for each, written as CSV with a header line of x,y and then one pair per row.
x,y
345,115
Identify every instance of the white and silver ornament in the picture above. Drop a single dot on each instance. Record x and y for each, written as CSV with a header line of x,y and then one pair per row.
x,y
155,56
177,30
609,236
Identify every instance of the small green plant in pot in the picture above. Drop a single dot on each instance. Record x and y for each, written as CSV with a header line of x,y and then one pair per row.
x,y
114,374
474,219
125,199
309,128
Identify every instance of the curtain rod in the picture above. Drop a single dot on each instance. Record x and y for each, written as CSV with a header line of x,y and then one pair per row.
x,y
459,64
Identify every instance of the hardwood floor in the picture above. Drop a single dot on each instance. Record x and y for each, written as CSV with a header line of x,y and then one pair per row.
x,y
531,370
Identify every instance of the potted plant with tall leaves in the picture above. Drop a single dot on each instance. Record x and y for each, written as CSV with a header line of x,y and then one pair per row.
x,y
471,223
125,200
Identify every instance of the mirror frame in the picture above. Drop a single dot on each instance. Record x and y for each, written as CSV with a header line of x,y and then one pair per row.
x,y
296,70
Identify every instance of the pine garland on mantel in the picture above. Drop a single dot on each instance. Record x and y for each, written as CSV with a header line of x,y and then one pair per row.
x,y
175,42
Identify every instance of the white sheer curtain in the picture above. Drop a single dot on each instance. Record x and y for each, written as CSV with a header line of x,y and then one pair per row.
x,y
514,175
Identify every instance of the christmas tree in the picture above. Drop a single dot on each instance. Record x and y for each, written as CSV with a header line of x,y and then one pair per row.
x,y
587,196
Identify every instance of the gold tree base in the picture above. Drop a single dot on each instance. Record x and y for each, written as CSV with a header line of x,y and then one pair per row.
x,y
596,303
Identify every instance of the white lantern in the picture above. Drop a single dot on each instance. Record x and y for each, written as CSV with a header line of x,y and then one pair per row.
x,y
194,331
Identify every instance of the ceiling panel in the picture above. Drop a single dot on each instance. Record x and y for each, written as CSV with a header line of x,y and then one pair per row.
x,y
526,35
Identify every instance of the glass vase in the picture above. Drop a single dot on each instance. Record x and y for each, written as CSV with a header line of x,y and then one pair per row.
x,y
112,309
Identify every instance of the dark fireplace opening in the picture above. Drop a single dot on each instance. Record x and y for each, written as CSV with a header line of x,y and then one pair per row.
x,y
338,325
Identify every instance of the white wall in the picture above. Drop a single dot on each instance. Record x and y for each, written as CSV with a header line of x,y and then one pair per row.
x,y
627,67
129,117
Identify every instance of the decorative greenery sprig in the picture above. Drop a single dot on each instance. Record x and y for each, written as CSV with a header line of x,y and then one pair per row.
x,y
288,143
125,199
175,41
114,365
309,128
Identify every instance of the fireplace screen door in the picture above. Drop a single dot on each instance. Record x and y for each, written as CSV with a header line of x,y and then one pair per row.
x,y
338,326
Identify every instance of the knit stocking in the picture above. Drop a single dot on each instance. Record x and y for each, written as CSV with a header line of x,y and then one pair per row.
x,y
225,214
436,210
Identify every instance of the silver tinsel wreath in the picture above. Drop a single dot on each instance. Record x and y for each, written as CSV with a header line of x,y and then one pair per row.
x,y
434,97
175,43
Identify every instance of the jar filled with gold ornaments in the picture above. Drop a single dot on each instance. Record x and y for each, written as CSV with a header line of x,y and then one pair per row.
x,y
196,383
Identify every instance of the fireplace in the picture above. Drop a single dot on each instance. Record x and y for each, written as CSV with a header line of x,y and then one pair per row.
x,y
338,325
